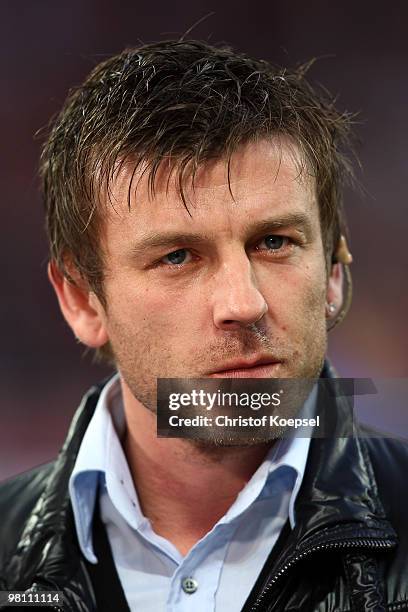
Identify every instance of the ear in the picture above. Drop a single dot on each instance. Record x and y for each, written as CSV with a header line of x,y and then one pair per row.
x,y
81,308
334,294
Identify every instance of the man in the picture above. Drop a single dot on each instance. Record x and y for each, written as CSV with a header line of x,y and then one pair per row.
x,y
193,202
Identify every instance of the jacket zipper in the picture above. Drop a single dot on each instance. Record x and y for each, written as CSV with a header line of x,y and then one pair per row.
x,y
372,543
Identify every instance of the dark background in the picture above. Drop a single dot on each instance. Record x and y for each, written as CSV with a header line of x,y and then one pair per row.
x,y
49,46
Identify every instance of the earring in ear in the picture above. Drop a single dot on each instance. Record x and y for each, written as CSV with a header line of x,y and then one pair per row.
x,y
330,308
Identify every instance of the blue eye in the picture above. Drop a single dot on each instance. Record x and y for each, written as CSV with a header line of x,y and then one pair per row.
x,y
274,242
176,257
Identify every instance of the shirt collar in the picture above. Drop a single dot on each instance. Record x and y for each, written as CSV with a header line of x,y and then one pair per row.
x,y
101,460
286,461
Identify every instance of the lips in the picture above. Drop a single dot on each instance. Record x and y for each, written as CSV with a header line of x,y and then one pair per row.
x,y
258,368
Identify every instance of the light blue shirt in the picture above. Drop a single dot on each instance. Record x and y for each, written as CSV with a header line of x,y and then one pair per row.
x,y
225,563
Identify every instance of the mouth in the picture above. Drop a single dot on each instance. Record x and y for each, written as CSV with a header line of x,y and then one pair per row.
x,y
259,368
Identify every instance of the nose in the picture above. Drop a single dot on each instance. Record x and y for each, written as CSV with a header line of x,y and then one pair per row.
x,y
237,301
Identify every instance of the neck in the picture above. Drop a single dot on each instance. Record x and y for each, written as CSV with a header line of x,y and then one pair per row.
x,y
184,488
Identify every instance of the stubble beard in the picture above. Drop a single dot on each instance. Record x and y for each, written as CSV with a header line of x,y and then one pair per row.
x,y
140,372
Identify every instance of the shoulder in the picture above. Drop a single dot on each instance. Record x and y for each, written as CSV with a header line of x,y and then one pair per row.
x,y
389,455
389,458
18,496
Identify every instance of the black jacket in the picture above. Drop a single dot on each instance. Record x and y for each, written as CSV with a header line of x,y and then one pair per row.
x,y
348,551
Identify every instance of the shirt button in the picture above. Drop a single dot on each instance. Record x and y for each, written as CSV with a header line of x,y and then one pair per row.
x,y
189,585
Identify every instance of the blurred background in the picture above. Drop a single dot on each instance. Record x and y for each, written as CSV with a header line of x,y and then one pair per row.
x,y
48,46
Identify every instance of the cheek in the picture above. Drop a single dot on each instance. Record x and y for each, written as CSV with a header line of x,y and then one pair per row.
x,y
296,293
148,310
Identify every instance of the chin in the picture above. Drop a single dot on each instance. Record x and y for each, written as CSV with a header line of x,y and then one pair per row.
x,y
228,441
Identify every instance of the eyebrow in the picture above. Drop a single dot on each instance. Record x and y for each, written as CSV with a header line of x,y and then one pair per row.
x,y
299,221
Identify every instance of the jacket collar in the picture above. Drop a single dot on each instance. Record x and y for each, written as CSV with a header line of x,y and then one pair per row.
x,y
51,523
339,491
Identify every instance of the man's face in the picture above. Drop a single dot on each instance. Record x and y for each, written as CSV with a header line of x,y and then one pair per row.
x,y
236,282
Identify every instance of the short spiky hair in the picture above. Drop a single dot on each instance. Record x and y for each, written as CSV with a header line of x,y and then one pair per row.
x,y
186,102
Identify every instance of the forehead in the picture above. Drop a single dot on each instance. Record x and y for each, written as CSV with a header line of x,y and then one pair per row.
x,y
262,179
